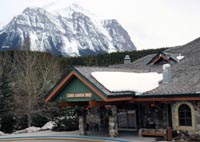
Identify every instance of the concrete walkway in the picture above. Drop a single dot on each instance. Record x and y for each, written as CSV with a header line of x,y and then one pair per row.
x,y
72,136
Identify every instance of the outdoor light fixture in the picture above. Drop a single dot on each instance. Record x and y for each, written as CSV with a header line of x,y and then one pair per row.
x,y
152,104
107,107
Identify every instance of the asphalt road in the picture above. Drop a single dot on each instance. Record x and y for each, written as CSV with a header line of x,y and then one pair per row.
x,y
59,139
72,136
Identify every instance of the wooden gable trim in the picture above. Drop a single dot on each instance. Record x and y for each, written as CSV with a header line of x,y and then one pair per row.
x,y
73,73
58,88
159,57
66,80
88,84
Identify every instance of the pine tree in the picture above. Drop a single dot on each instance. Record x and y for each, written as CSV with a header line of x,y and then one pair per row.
x,y
6,96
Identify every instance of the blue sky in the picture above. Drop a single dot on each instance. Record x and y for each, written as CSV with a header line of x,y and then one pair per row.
x,y
150,23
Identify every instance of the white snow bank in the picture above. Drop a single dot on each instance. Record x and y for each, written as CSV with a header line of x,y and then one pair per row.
x,y
48,126
28,130
128,81
2,133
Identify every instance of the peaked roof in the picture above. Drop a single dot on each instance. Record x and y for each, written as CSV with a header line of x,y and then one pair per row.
x,y
84,74
185,74
162,56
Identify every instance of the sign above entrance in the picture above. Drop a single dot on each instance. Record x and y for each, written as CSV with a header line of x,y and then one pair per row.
x,y
79,95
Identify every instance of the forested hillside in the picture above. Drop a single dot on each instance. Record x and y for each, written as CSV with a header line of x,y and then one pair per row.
x,y
26,77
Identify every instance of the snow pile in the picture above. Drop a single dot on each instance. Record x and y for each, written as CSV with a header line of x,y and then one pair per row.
x,y
2,133
128,81
28,130
48,126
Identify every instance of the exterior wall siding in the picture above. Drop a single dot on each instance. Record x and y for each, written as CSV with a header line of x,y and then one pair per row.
x,y
75,87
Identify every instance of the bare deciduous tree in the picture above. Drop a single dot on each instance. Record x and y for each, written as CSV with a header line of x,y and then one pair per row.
x,y
35,75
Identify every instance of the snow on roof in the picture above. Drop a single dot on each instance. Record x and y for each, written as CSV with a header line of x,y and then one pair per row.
x,y
180,57
128,81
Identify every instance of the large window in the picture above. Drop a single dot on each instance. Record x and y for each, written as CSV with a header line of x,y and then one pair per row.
x,y
185,115
127,119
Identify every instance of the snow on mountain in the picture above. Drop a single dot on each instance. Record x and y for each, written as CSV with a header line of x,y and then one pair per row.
x,y
71,31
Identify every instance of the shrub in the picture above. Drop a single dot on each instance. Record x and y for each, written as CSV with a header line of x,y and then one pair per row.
x,y
8,123
39,120
68,121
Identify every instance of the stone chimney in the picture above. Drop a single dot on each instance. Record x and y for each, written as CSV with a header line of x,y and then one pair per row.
x,y
127,59
167,75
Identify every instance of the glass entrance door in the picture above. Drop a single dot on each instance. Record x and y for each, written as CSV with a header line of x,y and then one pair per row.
x,y
127,119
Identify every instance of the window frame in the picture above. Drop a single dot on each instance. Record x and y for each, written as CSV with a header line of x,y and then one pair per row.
x,y
184,115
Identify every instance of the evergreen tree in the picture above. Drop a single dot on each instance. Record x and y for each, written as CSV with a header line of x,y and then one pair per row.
x,y
6,95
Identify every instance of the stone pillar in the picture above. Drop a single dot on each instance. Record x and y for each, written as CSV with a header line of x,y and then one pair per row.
x,y
82,125
113,128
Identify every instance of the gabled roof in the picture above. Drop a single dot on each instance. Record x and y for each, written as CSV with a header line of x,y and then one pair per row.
x,y
163,58
84,74
185,77
185,73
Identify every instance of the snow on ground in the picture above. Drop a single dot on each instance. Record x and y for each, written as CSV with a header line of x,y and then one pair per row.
x,y
48,126
2,133
28,130
128,81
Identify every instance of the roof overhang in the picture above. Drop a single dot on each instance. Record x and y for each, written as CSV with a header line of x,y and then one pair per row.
x,y
118,97
74,73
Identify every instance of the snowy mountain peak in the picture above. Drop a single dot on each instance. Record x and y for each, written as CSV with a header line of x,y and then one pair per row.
x,y
72,31
29,10
77,8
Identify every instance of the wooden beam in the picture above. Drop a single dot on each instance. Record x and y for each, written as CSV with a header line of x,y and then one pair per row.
x,y
168,99
159,57
65,104
96,103
59,86
67,79
88,84
120,99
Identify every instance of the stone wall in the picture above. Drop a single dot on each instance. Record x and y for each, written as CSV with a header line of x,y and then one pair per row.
x,y
93,119
187,132
113,128
155,115
82,125
175,117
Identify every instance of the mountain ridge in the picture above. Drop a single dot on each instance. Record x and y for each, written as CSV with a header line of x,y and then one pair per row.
x,y
74,34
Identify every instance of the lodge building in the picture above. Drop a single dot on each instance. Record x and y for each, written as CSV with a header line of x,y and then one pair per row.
x,y
153,95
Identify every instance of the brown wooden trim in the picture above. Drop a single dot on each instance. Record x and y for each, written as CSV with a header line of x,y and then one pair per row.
x,y
66,79
120,99
65,104
60,85
166,99
93,103
90,86
158,58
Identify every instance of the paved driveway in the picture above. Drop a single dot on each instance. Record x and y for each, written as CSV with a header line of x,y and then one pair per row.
x,y
60,139
72,136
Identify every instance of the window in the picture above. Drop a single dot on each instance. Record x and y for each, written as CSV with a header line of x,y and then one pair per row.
x,y
127,119
185,115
